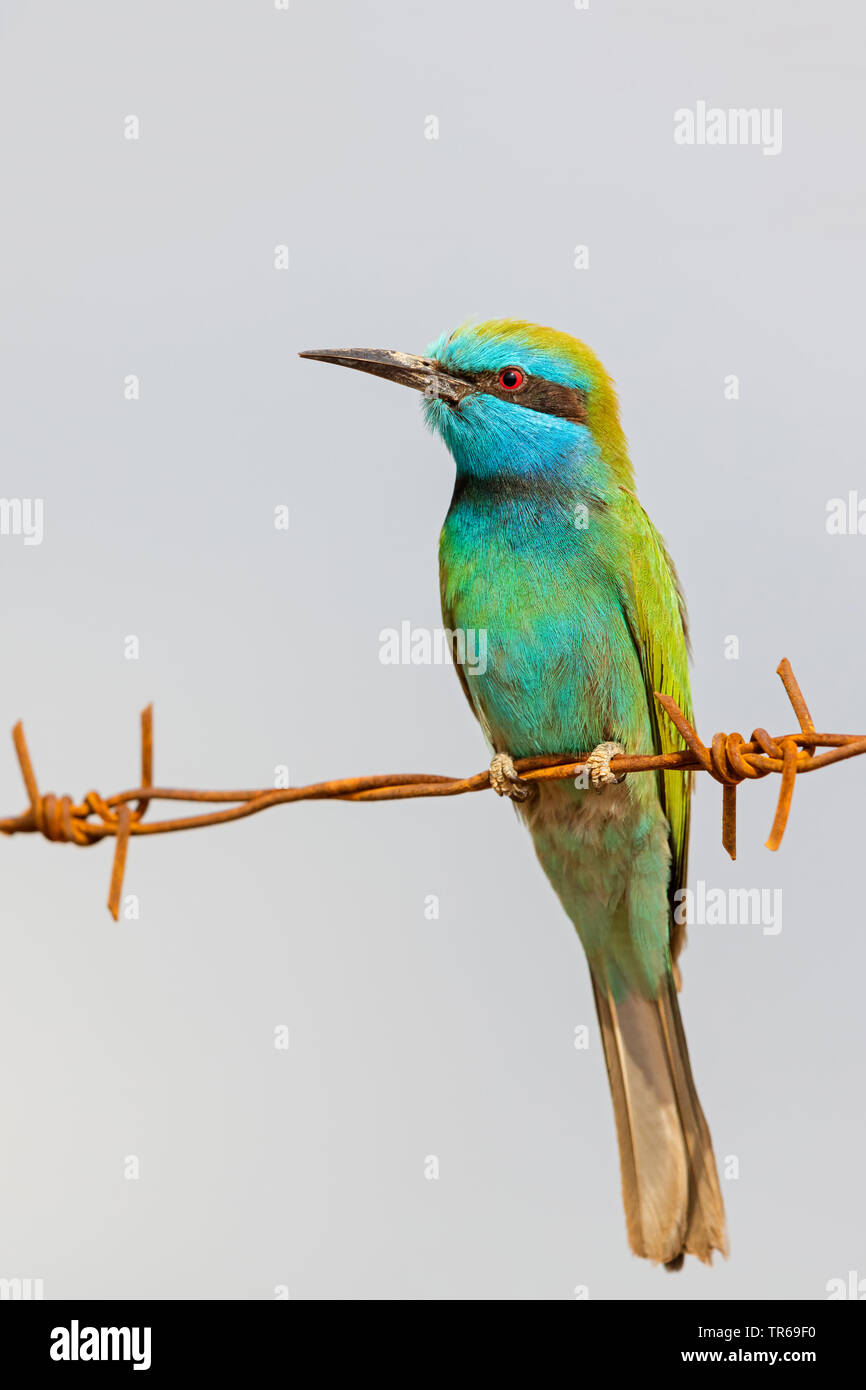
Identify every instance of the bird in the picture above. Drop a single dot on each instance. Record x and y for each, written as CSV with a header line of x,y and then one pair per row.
x,y
546,548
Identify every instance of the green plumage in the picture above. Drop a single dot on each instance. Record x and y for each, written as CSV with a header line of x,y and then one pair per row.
x,y
564,570
547,549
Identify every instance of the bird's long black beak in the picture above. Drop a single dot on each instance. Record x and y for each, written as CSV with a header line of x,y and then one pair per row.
x,y
421,373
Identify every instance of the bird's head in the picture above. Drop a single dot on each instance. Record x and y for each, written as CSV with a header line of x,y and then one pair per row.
x,y
511,399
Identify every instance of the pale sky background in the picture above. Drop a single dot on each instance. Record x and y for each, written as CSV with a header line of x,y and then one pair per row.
x,y
408,1037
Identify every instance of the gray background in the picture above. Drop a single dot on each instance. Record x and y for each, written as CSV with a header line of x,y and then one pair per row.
x,y
408,1037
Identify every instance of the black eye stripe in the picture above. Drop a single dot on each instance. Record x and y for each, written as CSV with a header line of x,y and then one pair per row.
x,y
536,393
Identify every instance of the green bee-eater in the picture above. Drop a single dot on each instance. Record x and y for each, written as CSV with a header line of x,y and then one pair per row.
x,y
547,549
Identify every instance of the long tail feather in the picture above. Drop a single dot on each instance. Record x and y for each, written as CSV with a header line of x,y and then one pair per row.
x,y
673,1205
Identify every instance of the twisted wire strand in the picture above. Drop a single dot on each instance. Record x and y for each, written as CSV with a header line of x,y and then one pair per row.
x,y
729,760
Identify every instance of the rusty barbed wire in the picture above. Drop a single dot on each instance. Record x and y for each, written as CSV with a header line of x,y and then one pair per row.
x,y
729,760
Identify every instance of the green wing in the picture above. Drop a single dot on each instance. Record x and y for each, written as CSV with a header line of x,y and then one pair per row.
x,y
656,613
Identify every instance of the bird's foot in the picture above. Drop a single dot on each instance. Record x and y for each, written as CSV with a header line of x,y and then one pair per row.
x,y
505,781
598,765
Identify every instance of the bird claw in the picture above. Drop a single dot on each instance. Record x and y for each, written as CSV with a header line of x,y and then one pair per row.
x,y
598,765
505,781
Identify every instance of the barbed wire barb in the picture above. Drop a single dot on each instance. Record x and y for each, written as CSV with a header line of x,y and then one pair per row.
x,y
729,760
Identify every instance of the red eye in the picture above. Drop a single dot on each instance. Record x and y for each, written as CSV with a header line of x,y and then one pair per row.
x,y
511,378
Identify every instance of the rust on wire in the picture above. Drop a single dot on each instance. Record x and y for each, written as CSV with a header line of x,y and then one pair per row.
x,y
729,760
